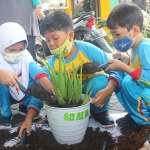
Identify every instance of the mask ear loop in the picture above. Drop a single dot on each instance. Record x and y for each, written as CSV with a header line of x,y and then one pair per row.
x,y
70,41
128,32
132,39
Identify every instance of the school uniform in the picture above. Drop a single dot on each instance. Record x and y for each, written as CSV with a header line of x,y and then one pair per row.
x,y
86,52
133,94
26,69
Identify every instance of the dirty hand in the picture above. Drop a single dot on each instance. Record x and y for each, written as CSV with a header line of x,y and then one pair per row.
x,y
115,65
25,125
39,13
8,78
100,98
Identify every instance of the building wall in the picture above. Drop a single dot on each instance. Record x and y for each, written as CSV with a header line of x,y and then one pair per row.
x,y
106,6
113,3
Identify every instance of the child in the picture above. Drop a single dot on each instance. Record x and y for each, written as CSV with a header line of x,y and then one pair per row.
x,y
125,23
17,63
57,28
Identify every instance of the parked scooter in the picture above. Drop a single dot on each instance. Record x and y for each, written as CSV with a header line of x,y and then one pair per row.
x,y
85,30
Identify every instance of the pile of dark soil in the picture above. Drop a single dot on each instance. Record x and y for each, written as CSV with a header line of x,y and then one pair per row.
x,y
133,141
49,99
89,68
40,93
44,140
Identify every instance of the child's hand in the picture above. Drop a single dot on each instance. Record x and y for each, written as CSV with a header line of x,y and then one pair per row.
x,y
117,55
100,98
25,125
124,57
115,65
8,78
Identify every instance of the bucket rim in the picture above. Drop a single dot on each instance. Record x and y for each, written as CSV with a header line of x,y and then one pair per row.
x,y
62,108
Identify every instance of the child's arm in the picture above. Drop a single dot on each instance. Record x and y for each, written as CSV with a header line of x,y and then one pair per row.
x,y
40,76
8,78
46,84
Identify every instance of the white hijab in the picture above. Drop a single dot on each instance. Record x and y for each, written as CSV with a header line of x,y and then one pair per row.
x,y
12,33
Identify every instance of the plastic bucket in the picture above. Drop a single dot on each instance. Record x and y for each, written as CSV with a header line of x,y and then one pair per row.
x,y
68,125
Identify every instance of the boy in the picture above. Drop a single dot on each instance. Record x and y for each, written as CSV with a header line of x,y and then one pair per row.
x,y
125,23
57,28
17,63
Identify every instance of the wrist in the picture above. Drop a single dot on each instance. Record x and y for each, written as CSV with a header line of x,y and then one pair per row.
x,y
39,6
127,68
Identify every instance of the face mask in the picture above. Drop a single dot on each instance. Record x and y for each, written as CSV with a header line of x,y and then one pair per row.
x,y
64,49
13,58
123,44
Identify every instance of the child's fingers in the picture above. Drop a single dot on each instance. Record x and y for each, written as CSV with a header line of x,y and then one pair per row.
x,y
117,55
28,132
15,77
20,132
15,84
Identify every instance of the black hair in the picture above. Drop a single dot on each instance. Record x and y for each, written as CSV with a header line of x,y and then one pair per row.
x,y
125,15
58,20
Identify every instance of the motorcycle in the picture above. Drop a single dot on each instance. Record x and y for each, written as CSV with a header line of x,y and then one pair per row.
x,y
85,30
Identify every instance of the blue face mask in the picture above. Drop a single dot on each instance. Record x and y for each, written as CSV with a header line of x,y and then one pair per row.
x,y
123,44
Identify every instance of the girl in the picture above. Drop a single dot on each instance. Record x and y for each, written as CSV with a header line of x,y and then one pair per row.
x,y
17,63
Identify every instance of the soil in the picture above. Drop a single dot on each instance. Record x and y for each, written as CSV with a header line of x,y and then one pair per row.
x,y
49,99
44,140
40,93
89,68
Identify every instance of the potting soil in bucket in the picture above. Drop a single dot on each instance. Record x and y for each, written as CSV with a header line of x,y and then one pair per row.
x,y
68,125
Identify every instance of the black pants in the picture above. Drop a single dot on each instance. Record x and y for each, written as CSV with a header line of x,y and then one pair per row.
x,y
31,46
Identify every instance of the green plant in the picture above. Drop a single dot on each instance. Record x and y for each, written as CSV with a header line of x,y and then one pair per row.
x,y
67,85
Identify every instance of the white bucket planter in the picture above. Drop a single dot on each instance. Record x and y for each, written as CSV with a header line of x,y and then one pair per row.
x,y
68,125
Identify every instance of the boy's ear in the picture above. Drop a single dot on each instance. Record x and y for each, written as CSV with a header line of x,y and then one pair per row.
x,y
136,29
71,36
